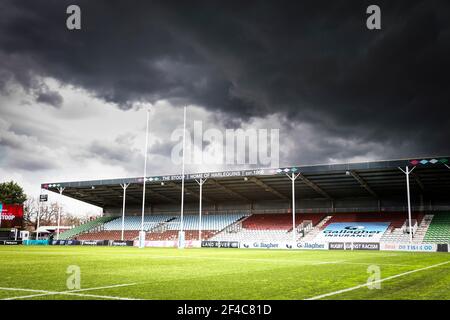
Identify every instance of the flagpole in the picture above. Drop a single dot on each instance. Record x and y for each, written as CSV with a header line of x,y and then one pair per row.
x,y
142,233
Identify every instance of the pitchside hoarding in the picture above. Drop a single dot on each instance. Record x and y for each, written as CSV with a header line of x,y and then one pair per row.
x,y
353,232
11,215
220,244
283,245
169,243
394,246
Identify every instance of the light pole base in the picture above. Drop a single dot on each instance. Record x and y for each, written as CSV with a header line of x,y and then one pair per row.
x,y
181,240
141,239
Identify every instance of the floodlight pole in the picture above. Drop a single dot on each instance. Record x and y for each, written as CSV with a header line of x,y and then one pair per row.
x,y
141,241
38,216
124,187
200,183
60,189
407,172
294,233
182,176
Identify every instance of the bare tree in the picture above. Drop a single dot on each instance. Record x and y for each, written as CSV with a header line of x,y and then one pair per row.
x,y
49,215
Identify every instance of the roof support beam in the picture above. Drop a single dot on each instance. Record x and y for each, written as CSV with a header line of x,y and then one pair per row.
x,y
92,196
268,188
363,183
228,190
147,190
152,192
418,181
314,186
120,194
192,193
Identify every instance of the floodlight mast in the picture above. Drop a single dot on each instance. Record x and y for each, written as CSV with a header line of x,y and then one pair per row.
x,y
200,183
124,187
38,216
294,231
141,234
407,172
181,243
60,189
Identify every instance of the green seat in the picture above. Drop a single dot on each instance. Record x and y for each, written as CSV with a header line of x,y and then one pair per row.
x,y
439,229
84,227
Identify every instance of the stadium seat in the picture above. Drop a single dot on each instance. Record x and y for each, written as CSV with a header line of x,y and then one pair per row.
x,y
84,227
439,229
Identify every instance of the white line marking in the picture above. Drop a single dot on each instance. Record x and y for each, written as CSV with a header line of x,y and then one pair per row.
x,y
377,281
69,292
328,262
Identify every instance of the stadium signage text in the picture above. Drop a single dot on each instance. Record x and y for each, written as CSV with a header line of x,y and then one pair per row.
x,y
354,246
122,243
284,245
10,242
353,231
220,244
409,247
312,245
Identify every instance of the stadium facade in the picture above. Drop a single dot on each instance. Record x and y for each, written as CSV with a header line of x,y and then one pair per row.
x,y
252,205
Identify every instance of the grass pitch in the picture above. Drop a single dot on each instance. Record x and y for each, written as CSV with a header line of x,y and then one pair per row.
x,y
169,273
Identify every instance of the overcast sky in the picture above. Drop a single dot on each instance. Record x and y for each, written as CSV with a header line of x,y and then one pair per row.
x,y
72,103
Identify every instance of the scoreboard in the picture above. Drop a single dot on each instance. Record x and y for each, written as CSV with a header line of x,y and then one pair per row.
x,y
11,215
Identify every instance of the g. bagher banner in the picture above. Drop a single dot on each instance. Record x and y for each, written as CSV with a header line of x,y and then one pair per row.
x,y
353,232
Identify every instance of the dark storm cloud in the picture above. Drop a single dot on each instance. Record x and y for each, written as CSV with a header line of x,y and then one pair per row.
x,y
52,98
313,62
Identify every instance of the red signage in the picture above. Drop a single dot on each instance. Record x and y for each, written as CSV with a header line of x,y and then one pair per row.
x,y
11,215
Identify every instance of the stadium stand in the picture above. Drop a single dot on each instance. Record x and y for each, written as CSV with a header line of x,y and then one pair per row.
x,y
439,229
211,225
84,227
158,227
173,235
209,222
396,232
268,227
260,227
134,222
396,219
109,235
278,221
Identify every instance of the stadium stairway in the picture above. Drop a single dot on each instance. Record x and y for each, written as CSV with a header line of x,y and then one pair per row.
x,y
85,227
419,236
394,234
211,225
314,232
439,229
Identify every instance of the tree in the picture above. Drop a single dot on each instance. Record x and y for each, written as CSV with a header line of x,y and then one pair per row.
x,y
11,193
48,215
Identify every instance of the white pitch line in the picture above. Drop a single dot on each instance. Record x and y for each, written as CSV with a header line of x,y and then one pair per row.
x,y
69,292
377,281
327,262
